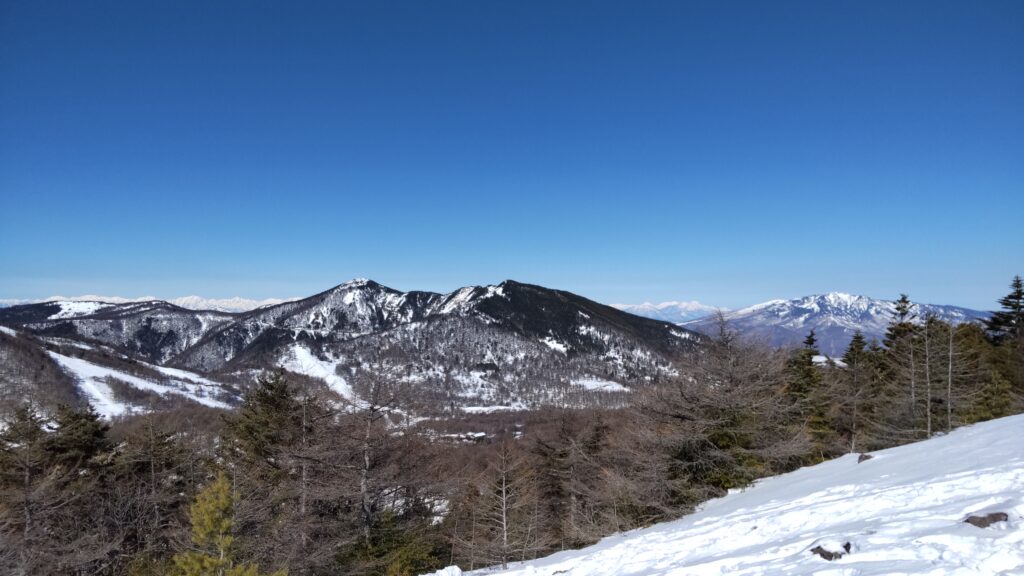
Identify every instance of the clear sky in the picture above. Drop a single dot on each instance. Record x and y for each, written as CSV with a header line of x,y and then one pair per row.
x,y
729,152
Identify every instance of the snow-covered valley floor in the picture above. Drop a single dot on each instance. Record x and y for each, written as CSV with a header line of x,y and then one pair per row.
x,y
902,512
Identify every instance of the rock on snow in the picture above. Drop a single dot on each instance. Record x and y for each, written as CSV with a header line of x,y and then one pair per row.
x,y
902,512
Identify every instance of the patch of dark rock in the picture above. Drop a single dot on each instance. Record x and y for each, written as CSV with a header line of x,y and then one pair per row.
x,y
864,458
830,555
987,520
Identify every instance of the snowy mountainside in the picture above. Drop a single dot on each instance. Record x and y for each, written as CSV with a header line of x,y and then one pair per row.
x,y
676,312
53,370
903,511
834,317
235,304
510,345
153,331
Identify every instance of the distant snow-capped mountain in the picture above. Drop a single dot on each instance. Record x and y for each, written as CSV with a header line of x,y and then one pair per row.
x,y
677,312
235,304
834,317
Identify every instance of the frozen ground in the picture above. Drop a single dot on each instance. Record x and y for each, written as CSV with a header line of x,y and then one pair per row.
x,y
902,512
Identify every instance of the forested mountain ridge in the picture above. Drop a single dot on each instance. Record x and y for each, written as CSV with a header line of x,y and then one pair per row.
x,y
508,345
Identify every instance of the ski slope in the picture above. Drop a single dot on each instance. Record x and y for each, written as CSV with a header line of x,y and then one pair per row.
x,y
902,512
92,381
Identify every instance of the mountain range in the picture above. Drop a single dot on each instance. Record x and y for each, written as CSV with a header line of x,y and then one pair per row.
x,y
676,312
235,304
834,317
479,348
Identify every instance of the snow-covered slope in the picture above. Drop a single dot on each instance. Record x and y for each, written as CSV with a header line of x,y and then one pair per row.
x,y
676,312
235,304
902,512
834,317
94,381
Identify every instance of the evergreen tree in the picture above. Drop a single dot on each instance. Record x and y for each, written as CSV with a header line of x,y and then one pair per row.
x,y
269,419
212,538
1008,323
811,342
902,321
805,388
79,435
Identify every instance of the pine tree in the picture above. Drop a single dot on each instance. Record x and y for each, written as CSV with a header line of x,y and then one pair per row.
x,y
79,435
902,322
902,363
212,536
1008,323
855,395
805,387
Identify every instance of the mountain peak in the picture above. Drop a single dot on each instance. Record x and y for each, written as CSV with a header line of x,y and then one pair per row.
x,y
358,283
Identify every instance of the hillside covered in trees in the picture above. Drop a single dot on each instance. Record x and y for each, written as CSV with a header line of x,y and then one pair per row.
x,y
294,481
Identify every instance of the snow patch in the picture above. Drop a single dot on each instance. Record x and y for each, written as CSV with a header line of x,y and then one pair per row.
x,y
301,360
91,380
76,309
491,409
554,345
599,385
822,360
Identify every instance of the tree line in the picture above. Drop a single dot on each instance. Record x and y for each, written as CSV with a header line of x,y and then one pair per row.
x,y
292,483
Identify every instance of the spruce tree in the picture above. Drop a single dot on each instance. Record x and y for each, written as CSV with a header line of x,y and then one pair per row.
x,y
902,321
1008,322
79,435
805,386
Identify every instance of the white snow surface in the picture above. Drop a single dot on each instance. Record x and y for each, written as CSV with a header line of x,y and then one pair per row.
x,y
301,360
822,360
902,512
92,381
554,345
8,331
74,309
599,385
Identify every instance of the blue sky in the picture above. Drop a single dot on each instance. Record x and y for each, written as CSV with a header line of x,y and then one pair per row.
x,y
729,152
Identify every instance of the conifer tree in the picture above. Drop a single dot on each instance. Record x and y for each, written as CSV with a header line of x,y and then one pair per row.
x,y
1008,323
902,321
212,537
805,387
855,393
79,435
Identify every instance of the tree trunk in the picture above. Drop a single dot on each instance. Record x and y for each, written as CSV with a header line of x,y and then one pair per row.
x,y
928,379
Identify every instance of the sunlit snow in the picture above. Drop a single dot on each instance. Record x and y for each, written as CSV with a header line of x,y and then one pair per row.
x,y
76,309
92,381
302,361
